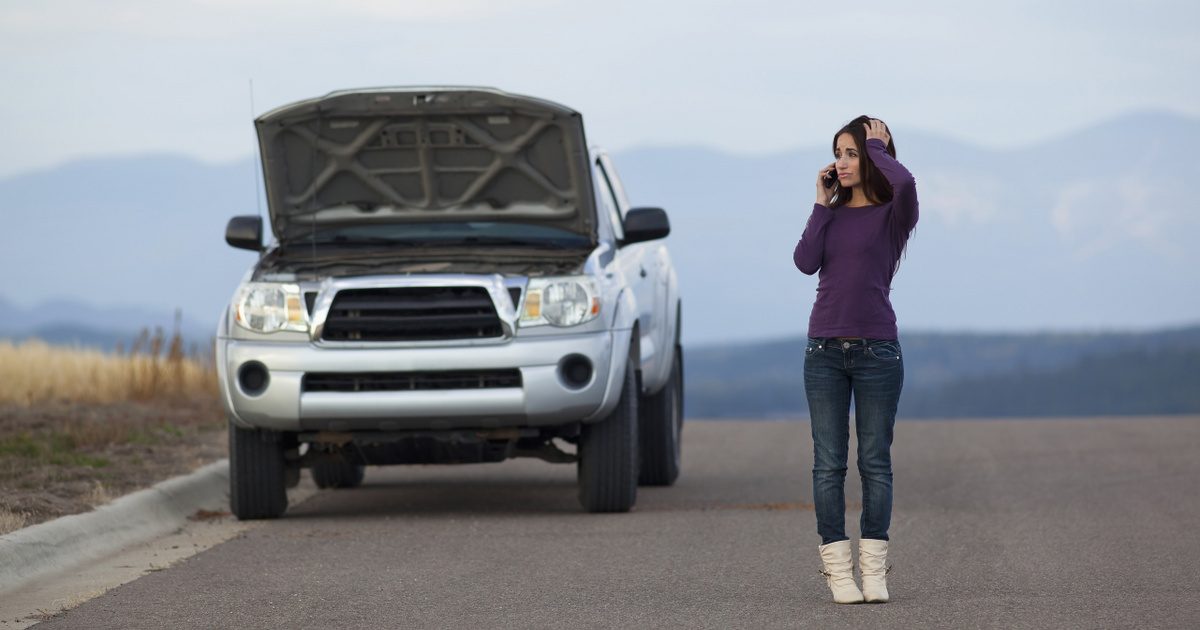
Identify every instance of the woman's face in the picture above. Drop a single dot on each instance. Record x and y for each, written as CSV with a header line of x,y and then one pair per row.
x,y
847,158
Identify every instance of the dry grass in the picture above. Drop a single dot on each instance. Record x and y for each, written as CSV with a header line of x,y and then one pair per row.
x,y
80,427
34,372
65,458
11,521
98,494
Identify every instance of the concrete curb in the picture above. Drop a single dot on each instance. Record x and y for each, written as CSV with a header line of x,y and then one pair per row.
x,y
71,541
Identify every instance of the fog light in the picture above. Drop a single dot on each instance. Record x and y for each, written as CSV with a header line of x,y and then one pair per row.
x,y
253,378
575,370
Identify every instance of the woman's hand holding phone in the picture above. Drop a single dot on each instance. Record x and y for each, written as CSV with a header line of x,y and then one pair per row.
x,y
826,184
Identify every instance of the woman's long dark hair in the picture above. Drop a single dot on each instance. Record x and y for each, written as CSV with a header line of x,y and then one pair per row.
x,y
874,183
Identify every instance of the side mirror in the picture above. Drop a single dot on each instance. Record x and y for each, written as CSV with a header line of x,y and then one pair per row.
x,y
245,233
646,224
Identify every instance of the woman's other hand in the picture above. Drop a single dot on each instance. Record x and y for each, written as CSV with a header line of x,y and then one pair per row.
x,y
876,129
824,195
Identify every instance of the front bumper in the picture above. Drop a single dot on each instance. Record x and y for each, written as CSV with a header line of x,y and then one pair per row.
x,y
543,399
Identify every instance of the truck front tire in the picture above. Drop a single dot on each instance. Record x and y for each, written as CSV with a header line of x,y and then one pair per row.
x,y
257,475
608,454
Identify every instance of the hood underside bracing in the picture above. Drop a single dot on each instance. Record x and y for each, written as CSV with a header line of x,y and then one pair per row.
x,y
425,154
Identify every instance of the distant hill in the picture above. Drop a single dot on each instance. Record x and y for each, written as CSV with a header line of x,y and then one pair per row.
x,y
971,376
1135,382
122,340
1017,240
144,234
75,323
76,336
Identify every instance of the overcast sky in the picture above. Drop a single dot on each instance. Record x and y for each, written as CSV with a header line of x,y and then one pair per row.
x,y
755,76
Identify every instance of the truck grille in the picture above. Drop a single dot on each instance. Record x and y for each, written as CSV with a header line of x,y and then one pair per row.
x,y
404,381
412,314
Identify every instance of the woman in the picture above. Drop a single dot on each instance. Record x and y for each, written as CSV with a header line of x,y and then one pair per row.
x,y
855,237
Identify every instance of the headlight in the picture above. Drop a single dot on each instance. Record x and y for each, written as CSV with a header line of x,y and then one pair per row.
x,y
560,302
266,307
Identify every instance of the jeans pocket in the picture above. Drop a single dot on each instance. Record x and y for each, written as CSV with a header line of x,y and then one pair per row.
x,y
884,350
812,347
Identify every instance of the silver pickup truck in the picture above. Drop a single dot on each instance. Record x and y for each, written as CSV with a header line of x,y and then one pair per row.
x,y
455,277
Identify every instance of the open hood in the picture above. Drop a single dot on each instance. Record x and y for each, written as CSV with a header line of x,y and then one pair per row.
x,y
425,154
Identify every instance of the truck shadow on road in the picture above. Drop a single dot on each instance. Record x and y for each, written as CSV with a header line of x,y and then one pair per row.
x,y
442,497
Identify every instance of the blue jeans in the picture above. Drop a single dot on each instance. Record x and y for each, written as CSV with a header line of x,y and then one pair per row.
x,y
873,371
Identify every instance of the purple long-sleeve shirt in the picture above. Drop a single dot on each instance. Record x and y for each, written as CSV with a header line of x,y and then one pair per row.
x,y
857,251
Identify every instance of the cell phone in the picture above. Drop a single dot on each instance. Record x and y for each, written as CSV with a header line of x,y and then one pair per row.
x,y
830,179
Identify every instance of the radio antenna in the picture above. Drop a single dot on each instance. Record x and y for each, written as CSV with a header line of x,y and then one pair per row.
x,y
253,154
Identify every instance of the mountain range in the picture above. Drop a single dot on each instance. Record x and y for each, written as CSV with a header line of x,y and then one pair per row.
x,y
966,375
1093,230
75,323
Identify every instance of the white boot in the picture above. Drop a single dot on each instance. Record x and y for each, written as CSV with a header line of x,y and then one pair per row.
x,y
872,561
839,572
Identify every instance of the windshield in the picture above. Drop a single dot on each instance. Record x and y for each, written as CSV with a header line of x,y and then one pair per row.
x,y
448,233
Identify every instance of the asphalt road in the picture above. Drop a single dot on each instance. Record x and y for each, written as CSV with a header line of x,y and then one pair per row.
x,y
1006,524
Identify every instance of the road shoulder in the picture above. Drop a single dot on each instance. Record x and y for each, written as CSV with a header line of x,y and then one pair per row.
x,y
54,566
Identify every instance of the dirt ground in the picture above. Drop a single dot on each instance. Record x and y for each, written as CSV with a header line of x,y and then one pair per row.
x,y
61,458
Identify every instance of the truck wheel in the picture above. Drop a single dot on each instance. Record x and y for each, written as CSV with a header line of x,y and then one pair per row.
x,y
661,425
257,477
608,454
337,474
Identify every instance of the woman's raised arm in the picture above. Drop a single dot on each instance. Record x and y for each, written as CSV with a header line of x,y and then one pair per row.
x,y
904,186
